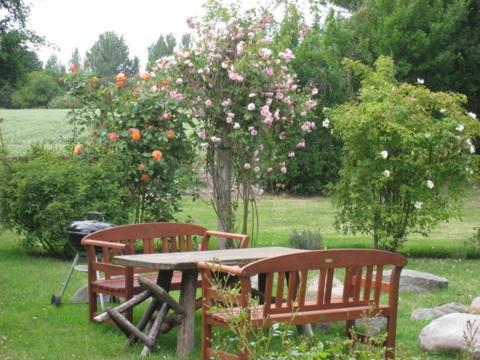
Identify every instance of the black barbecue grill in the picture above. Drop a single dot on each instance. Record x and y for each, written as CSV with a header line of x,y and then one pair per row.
x,y
76,231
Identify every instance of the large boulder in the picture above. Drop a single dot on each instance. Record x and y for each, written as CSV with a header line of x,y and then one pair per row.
x,y
452,332
418,281
475,305
337,289
438,311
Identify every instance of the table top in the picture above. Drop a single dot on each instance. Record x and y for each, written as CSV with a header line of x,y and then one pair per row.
x,y
188,260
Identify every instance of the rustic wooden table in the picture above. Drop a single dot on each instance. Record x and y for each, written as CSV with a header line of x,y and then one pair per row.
x,y
186,262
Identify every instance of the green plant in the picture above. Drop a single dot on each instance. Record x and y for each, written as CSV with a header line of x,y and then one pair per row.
x,y
407,157
42,194
474,241
136,121
306,239
62,102
39,89
251,112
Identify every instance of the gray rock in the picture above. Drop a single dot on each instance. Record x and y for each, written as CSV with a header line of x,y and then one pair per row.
x,y
418,281
373,326
337,288
451,333
80,296
438,311
475,305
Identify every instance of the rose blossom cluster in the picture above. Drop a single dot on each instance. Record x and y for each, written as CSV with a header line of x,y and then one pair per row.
x,y
240,90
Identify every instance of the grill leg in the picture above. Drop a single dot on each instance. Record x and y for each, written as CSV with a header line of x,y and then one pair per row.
x,y
69,275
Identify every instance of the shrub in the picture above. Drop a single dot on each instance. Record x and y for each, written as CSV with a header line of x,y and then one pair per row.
x,y
407,156
42,194
306,239
39,88
62,102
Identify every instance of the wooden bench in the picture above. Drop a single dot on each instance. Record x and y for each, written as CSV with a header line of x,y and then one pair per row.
x,y
121,281
283,283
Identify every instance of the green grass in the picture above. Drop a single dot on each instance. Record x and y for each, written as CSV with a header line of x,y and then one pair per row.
x,y
22,128
31,328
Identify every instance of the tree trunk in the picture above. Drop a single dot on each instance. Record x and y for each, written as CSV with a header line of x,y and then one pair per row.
x,y
222,191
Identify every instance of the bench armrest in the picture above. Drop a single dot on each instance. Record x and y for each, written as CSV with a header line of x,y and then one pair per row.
x,y
103,244
232,270
244,239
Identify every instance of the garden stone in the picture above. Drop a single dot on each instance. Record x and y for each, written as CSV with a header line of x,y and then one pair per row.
x,y
438,311
337,288
418,281
373,326
448,333
475,305
80,296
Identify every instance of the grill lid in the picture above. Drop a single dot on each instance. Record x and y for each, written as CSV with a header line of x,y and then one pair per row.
x,y
86,227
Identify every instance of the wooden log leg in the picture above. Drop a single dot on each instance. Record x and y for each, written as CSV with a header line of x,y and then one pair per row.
x,y
127,327
164,280
145,319
186,335
137,299
154,330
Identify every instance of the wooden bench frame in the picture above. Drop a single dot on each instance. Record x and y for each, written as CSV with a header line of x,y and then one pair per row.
x,y
283,283
121,281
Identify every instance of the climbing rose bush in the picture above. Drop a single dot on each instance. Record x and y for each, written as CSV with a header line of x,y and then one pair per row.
x,y
408,156
141,127
250,114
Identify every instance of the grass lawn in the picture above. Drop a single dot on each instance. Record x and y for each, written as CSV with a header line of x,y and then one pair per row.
x,y
30,328
21,128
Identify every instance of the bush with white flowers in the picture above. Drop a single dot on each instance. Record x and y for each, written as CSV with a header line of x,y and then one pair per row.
x,y
408,156
250,113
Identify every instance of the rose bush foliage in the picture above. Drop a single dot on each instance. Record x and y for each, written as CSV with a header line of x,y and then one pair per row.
x,y
140,124
243,97
407,156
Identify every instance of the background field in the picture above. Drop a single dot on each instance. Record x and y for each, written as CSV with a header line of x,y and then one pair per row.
x,y
30,328
21,128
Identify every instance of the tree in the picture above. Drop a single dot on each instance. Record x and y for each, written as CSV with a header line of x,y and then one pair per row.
x,y
407,156
40,87
250,112
110,55
16,57
162,47
186,42
438,41
75,59
54,66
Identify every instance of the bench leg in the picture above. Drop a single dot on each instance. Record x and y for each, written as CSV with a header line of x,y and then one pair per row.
x,y
391,333
92,303
349,328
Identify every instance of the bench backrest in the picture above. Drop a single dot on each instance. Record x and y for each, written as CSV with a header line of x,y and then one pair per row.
x,y
286,279
150,237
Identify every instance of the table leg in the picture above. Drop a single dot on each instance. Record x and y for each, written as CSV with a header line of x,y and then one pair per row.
x,y
186,330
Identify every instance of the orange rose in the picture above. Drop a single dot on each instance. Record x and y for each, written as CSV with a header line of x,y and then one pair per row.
x,y
166,116
164,83
120,77
171,134
146,76
135,134
78,149
157,155
113,136
145,177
